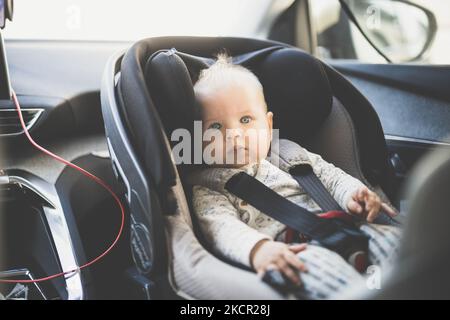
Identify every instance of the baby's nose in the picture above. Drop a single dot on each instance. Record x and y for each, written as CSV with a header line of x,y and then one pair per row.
x,y
233,134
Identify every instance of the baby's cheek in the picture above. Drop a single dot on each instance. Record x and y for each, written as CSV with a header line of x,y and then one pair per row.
x,y
215,149
260,150
264,144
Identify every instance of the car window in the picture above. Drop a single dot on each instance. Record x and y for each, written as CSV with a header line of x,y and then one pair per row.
x,y
133,19
338,38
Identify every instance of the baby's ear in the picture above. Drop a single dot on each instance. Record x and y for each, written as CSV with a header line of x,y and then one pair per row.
x,y
269,117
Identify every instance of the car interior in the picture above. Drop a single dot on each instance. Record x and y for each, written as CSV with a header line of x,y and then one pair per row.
x,y
109,107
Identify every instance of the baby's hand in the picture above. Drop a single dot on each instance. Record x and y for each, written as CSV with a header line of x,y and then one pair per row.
x,y
367,203
274,255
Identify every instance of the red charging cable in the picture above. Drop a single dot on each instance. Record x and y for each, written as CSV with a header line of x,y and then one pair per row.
x,y
87,174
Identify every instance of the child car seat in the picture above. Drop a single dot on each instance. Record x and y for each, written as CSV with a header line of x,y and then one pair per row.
x,y
144,97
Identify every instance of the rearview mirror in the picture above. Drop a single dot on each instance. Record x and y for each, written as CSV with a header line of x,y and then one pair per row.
x,y
399,30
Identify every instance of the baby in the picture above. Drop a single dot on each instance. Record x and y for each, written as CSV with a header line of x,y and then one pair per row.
x,y
232,103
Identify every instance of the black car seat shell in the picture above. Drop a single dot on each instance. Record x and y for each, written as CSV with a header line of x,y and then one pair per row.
x,y
147,92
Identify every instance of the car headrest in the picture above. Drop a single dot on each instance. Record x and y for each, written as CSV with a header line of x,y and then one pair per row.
x,y
295,85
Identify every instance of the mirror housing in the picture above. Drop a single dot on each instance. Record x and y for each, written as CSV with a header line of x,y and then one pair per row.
x,y
401,31
6,12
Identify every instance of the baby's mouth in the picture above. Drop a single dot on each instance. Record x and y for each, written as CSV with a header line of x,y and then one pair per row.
x,y
238,149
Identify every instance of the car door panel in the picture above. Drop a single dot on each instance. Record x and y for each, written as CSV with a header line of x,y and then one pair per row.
x,y
413,104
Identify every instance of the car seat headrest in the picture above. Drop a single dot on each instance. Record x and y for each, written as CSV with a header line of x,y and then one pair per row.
x,y
295,85
171,89
297,91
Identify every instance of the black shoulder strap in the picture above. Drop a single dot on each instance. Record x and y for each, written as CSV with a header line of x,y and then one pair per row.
x,y
305,176
274,205
331,233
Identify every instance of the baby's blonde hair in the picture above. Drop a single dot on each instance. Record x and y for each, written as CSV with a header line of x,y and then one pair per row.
x,y
224,72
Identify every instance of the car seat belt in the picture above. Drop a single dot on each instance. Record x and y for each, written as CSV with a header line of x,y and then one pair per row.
x,y
305,177
338,233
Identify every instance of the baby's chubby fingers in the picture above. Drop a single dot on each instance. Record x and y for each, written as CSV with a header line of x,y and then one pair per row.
x,y
268,254
373,213
354,207
357,201
388,209
295,262
296,248
288,271
362,194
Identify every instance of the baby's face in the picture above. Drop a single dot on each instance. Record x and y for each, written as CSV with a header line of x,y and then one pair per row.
x,y
238,115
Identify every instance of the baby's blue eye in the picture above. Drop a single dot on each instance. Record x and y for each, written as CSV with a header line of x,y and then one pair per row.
x,y
215,125
245,119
